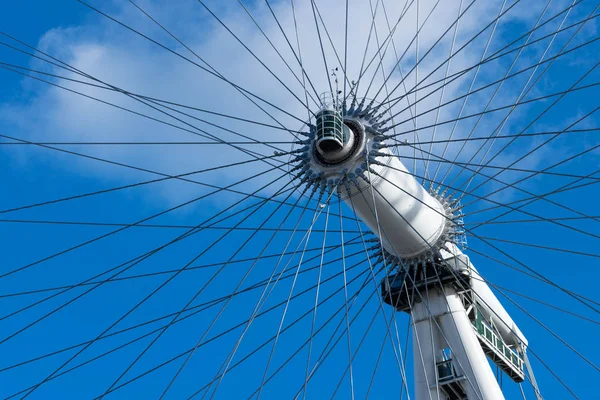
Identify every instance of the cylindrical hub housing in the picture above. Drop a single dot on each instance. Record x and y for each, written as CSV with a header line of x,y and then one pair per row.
x,y
398,209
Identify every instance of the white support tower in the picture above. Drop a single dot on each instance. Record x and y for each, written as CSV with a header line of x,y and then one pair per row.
x,y
459,325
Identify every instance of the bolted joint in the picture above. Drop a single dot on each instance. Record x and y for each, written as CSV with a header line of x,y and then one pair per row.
x,y
303,149
310,134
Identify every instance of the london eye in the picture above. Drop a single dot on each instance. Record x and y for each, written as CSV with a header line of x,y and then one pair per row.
x,y
303,199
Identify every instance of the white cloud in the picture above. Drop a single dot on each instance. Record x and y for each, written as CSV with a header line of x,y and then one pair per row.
x,y
104,50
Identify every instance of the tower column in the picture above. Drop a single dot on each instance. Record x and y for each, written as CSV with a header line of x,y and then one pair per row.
x,y
446,317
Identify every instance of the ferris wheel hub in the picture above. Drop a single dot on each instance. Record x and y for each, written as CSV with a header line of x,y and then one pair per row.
x,y
338,149
346,154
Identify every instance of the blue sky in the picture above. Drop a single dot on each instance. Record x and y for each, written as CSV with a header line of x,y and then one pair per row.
x,y
31,110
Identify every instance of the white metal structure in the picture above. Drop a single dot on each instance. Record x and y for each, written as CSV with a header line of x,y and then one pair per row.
x,y
185,215
457,319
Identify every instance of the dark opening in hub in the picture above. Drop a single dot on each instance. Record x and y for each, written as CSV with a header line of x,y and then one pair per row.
x,y
330,145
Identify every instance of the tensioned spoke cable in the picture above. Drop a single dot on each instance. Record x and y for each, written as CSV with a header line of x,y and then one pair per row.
x,y
524,93
544,196
209,71
223,333
249,270
285,329
550,59
381,306
97,338
521,95
312,4
565,188
416,70
132,262
329,347
147,102
166,176
533,196
243,92
193,310
253,55
531,134
124,265
408,324
300,348
454,22
82,244
491,84
414,287
398,60
314,312
378,361
213,228
512,169
141,143
378,54
358,347
340,309
318,363
280,56
352,242
489,111
203,287
346,51
537,246
524,221
538,301
437,116
399,66
356,84
470,231
534,273
317,213
143,97
551,370
131,310
496,55
194,130
341,64
263,298
298,57
349,343
266,286
392,41
533,276
531,270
